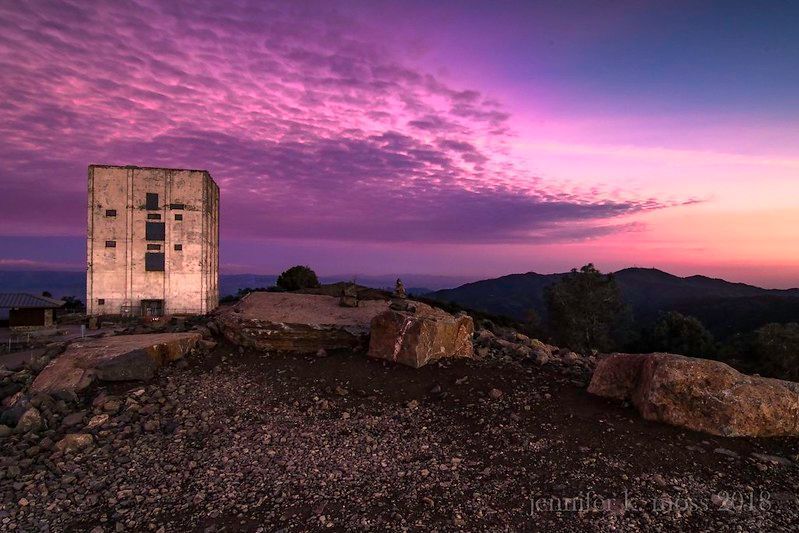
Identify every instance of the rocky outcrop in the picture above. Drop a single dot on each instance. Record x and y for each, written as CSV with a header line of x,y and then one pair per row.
x,y
419,335
117,358
298,323
296,338
349,296
700,394
510,345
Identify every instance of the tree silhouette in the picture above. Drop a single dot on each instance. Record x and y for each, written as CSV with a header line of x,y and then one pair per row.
x,y
298,277
585,310
681,334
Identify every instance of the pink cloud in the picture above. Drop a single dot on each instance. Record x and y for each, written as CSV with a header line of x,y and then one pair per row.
x,y
311,130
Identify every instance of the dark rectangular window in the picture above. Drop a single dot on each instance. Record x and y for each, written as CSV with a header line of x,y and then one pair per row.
x,y
177,206
110,212
154,262
153,216
156,231
153,246
178,247
100,301
152,200
178,217
110,244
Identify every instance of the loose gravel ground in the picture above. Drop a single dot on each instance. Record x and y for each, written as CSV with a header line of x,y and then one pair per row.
x,y
253,442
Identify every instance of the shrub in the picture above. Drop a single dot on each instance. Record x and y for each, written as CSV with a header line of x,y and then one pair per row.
x,y
680,334
777,348
298,277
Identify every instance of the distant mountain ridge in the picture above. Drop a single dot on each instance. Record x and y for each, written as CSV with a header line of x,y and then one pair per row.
x,y
724,307
73,283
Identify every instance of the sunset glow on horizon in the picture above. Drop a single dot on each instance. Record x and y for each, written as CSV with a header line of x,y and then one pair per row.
x,y
469,140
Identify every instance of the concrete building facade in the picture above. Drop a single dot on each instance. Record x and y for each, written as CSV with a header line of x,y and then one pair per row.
x,y
153,241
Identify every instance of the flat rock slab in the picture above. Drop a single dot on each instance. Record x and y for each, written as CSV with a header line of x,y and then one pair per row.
x,y
700,394
420,336
312,309
299,323
118,358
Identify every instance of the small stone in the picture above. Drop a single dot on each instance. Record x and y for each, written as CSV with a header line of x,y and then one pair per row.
x,y
97,421
112,406
321,353
495,394
659,481
74,442
31,420
541,357
207,345
719,501
73,419
773,459
725,451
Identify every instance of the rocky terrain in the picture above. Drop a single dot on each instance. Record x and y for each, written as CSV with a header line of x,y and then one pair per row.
x,y
233,439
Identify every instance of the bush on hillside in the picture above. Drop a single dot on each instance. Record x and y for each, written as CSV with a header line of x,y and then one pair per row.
x,y
680,334
298,277
776,347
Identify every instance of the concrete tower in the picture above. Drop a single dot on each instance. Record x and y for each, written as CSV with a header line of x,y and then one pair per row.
x,y
153,241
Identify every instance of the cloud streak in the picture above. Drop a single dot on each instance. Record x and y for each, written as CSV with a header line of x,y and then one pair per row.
x,y
311,127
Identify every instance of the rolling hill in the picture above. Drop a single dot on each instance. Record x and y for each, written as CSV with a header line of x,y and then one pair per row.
x,y
724,307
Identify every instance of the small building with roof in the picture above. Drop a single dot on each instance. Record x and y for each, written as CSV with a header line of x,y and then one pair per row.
x,y
26,311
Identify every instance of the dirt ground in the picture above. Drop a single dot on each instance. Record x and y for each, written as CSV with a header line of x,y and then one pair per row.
x,y
253,442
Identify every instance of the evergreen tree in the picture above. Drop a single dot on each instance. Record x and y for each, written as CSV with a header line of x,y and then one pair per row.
x,y
586,311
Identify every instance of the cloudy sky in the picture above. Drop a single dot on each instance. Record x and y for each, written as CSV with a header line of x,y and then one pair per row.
x,y
466,139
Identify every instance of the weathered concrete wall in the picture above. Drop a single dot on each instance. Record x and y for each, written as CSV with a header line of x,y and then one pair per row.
x,y
117,275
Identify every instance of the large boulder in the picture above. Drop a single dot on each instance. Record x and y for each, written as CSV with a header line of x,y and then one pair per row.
x,y
117,358
298,323
700,394
420,334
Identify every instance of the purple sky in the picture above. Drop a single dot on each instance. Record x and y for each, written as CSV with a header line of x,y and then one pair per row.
x,y
369,137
